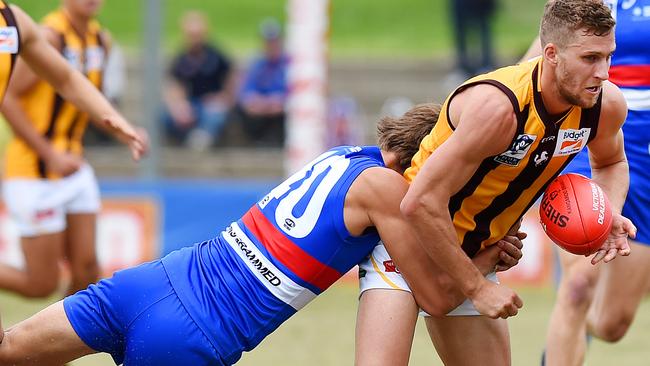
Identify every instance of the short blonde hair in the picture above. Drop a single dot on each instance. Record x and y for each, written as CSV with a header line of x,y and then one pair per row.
x,y
563,18
403,135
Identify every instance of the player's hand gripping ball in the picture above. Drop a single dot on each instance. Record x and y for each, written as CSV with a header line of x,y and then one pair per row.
x,y
575,213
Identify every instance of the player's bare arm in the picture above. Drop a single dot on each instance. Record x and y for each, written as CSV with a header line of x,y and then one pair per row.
x,y
485,125
610,170
22,81
433,289
74,87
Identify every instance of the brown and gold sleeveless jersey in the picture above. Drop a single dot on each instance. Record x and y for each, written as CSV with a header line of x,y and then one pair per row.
x,y
506,185
9,45
59,121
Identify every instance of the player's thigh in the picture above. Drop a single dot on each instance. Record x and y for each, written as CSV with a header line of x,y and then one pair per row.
x,y
622,283
47,338
42,254
385,325
470,340
81,216
80,240
578,268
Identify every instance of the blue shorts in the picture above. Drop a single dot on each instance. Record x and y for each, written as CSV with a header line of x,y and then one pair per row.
x,y
637,149
137,317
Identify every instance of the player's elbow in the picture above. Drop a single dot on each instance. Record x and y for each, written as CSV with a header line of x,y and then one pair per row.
x,y
436,306
437,300
431,306
415,206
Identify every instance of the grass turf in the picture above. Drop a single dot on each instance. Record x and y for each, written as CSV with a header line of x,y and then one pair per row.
x,y
323,334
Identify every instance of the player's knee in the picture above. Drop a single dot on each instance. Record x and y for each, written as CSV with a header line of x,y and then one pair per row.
x,y
86,273
41,288
612,328
580,288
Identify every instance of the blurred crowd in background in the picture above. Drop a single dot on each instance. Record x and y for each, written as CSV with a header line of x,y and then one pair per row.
x,y
212,100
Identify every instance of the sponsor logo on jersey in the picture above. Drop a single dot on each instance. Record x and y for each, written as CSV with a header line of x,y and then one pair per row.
x,y
94,58
8,40
571,141
256,261
517,151
73,57
278,283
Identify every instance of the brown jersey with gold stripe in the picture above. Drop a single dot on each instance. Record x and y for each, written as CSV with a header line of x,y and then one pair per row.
x,y
9,45
506,185
59,121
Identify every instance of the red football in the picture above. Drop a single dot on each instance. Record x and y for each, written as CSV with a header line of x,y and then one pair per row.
x,y
575,213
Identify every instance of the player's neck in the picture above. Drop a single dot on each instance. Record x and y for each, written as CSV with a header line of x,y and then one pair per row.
x,y
391,161
78,23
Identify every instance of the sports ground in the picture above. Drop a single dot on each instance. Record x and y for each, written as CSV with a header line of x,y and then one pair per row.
x,y
323,334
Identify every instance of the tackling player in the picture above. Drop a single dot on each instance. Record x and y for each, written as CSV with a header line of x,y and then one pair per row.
x,y
206,304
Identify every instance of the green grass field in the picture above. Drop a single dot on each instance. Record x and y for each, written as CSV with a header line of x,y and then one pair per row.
x,y
323,334
359,28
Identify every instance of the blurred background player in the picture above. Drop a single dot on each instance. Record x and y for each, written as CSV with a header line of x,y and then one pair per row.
x,y
200,91
206,304
472,30
49,189
263,95
602,301
481,169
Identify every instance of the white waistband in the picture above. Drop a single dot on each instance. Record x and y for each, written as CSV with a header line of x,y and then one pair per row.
x,y
271,277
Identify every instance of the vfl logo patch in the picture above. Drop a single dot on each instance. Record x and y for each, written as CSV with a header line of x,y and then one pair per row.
x,y
571,141
517,151
8,40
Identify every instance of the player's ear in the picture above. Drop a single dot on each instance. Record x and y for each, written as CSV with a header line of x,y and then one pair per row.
x,y
550,53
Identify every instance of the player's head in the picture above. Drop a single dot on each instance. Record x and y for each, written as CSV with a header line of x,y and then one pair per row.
x,y
403,135
271,34
83,8
194,26
577,40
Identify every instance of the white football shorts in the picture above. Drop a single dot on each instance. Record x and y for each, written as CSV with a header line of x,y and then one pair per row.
x,y
39,206
379,272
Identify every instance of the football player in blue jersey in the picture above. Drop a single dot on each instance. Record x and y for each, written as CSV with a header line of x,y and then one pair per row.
x,y
206,304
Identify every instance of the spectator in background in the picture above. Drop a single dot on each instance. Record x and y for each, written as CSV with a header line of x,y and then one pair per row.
x,y
200,89
263,96
469,18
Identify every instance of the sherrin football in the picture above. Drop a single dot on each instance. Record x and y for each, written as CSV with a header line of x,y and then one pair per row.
x,y
575,214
